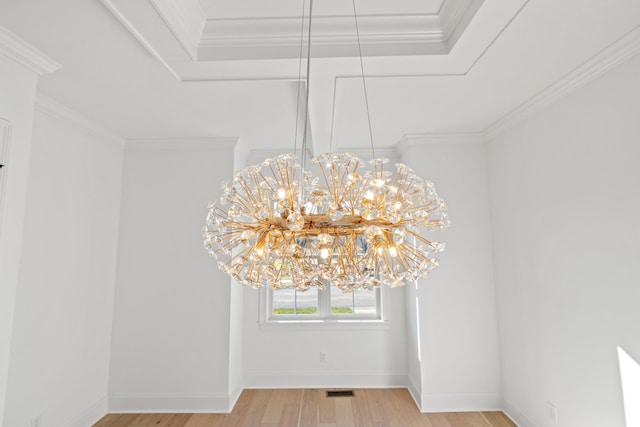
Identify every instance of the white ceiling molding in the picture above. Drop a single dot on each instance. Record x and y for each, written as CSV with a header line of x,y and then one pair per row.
x,y
413,139
25,54
335,36
332,36
366,154
454,18
186,21
256,157
610,57
5,141
151,144
54,109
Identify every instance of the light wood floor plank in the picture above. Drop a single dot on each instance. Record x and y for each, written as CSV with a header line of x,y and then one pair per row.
x,y
498,419
311,408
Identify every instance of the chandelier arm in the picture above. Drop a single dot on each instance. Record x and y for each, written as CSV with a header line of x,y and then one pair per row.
x,y
364,82
295,139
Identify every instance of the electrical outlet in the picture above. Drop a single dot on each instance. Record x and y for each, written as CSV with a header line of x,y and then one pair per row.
x,y
323,357
36,421
553,412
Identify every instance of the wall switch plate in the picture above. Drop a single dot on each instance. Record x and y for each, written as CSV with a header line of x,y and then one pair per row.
x,y
36,421
323,357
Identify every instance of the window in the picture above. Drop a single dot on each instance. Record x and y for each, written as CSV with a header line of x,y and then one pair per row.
x,y
329,304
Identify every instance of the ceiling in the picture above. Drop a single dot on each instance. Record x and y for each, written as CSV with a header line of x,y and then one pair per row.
x,y
205,68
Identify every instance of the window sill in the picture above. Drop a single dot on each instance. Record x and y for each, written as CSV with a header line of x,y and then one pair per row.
x,y
338,324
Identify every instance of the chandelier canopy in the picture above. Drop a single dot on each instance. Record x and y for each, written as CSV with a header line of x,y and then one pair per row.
x,y
353,224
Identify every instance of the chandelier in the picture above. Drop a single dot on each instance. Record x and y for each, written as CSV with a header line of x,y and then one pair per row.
x,y
352,223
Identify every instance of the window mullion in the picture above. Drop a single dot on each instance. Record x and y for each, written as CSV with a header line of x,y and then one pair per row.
x,y
324,302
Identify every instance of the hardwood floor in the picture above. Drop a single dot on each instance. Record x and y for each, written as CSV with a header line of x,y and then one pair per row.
x,y
311,407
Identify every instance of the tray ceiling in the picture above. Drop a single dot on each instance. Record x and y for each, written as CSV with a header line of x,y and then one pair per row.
x,y
186,68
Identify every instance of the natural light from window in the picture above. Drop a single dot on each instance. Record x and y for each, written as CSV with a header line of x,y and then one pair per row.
x,y
330,304
630,378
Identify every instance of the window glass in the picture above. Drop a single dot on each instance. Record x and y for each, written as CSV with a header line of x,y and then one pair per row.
x,y
324,304
289,302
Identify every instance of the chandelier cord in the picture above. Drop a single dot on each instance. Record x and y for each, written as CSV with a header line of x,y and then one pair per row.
x,y
295,138
306,107
333,114
364,82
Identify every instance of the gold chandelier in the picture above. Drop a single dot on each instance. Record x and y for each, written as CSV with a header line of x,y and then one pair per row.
x,y
353,224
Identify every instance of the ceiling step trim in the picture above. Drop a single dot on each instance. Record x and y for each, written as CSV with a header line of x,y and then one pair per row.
x,y
333,36
610,57
420,139
152,144
25,54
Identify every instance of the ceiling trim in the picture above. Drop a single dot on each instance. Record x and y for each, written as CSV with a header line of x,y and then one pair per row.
x,y
335,35
121,15
332,36
419,139
150,144
25,54
187,31
608,58
390,153
56,110
257,156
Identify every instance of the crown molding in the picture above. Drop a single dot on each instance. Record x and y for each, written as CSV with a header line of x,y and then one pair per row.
x,y
25,54
186,25
366,154
610,57
54,109
333,36
151,144
455,17
421,139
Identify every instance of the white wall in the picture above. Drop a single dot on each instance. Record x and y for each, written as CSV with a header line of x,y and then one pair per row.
x,y
64,306
457,321
566,222
357,356
171,345
17,96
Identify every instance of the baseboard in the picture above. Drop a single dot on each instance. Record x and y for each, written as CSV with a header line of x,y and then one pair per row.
x,y
92,414
516,415
170,403
460,402
233,398
324,379
415,393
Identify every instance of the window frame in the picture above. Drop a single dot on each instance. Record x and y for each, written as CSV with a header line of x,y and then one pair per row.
x,y
324,315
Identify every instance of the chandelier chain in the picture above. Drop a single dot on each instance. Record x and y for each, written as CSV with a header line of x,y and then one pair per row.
x,y
306,101
295,138
364,81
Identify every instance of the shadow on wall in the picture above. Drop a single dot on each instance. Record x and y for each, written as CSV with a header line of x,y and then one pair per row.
x,y
630,378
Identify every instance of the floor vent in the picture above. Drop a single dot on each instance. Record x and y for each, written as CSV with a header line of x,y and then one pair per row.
x,y
340,393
